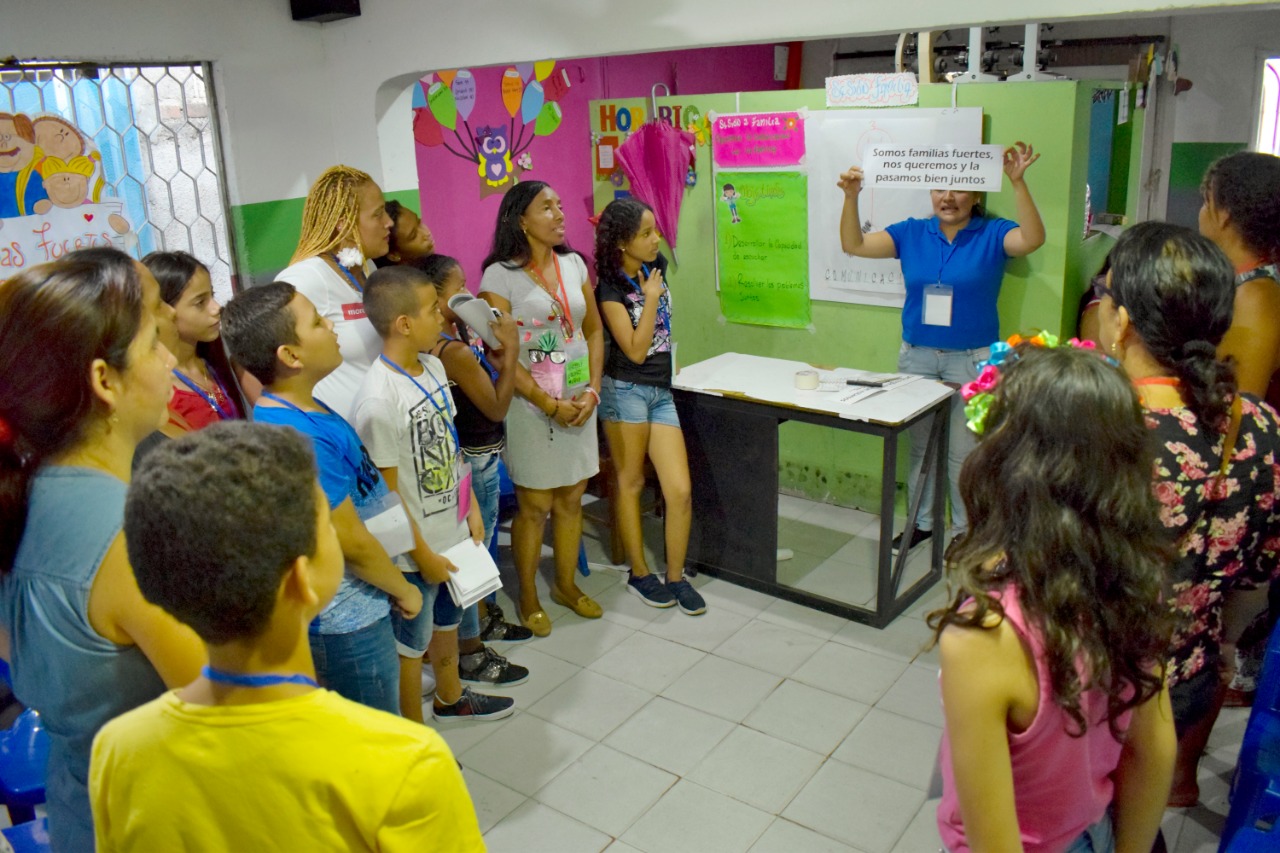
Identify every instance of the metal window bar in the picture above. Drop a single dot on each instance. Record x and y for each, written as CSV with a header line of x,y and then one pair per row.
x,y
156,128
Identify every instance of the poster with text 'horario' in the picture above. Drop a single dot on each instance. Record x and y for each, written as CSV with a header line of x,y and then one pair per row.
x,y
838,139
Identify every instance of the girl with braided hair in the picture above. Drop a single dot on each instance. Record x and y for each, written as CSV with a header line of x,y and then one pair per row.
x,y
1166,306
344,226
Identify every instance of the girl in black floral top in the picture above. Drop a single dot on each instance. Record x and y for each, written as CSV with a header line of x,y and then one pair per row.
x,y
1167,305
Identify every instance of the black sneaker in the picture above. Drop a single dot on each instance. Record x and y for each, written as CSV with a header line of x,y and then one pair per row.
x,y
498,630
488,667
916,538
687,597
651,591
474,706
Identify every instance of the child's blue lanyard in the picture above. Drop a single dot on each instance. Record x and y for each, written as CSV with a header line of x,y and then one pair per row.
x,y
446,411
352,459
351,278
241,679
208,398
479,353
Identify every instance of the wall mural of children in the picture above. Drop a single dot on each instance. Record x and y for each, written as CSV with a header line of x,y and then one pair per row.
x,y
20,184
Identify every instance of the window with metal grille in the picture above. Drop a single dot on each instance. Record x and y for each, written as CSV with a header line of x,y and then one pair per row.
x,y
155,129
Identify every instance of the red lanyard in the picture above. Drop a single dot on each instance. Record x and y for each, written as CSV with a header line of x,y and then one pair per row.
x,y
566,318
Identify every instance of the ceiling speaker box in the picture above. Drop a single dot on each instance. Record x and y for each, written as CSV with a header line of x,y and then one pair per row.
x,y
323,11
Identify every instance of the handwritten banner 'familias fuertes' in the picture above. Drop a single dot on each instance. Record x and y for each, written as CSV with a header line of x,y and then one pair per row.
x,y
757,140
762,247
977,168
873,90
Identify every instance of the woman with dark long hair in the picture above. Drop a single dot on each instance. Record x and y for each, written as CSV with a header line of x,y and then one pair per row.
x,y
1058,734
83,378
636,405
551,430
1167,305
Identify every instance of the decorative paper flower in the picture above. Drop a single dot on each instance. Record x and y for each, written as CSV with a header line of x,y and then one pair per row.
x,y
525,161
985,383
976,411
1079,344
999,352
351,257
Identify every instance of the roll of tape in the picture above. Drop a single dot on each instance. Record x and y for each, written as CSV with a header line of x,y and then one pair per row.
x,y
807,380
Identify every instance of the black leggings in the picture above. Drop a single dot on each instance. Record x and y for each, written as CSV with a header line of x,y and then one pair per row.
x,y
1192,699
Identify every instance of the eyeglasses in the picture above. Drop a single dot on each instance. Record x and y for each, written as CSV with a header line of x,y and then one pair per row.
x,y
536,356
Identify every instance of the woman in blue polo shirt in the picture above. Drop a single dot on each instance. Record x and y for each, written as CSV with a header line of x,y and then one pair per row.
x,y
952,263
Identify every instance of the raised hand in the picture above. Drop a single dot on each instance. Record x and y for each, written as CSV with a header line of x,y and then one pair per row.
x,y
1017,158
851,181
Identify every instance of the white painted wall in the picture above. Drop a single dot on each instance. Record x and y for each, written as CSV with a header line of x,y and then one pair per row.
x,y
296,98
1219,56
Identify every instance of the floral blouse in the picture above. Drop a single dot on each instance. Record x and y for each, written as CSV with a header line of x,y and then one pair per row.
x,y
1228,535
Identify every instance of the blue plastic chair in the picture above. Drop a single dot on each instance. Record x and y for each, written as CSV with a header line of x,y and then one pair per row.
x,y
30,837
24,757
1255,795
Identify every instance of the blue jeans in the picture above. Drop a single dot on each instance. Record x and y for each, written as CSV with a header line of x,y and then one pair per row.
x,y
1099,838
957,366
486,485
633,403
361,665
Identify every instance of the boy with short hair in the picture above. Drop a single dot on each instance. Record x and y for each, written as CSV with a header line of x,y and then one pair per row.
x,y
251,755
404,414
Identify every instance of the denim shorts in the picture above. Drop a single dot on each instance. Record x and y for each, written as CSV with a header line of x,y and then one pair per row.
x,y
632,403
438,613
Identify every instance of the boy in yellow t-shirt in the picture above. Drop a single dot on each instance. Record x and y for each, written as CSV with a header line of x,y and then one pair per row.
x,y
228,531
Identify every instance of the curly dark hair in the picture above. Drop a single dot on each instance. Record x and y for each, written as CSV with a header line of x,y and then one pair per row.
x,y
394,209
200,546
1065,509
1179,290
510,246
1247,186
619,223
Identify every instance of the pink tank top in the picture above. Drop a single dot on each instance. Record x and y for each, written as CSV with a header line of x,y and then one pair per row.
x,y
1061,785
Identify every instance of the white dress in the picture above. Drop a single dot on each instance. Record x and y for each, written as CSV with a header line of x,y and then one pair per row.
x,y
540,453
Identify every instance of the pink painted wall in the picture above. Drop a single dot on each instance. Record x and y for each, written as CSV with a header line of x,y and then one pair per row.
x,y
462,218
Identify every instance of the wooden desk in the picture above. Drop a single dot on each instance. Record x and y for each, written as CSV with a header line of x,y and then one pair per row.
x,y
730,407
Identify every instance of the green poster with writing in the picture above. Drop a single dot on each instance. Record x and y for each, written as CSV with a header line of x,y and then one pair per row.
x,y
762,247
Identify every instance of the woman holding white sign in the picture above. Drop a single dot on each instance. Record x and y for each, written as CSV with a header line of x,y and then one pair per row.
x,y
952,264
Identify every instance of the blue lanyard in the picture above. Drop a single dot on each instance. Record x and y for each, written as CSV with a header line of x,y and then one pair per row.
x,y
479,353
351,278
663,317
212,401
446,412
240,679
352,459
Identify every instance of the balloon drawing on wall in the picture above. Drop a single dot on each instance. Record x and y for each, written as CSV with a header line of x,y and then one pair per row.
x,y
444,103
51,184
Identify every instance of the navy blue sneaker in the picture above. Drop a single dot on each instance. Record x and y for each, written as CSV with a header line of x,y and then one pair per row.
x,y
651,591
687,597
474,706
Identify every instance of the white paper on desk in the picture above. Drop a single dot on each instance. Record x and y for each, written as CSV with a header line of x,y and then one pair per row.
x,y
477,573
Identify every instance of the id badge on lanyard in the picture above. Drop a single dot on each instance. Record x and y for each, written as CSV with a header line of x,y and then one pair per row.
x,y
577,368
464,491
388,520
937,304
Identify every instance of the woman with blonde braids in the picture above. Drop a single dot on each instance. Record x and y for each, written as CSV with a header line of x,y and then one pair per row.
x,y
344,225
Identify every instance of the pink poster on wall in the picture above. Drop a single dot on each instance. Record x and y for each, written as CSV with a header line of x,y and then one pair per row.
x,y
757,139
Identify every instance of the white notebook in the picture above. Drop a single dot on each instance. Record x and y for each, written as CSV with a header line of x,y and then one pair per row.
x,y
477,573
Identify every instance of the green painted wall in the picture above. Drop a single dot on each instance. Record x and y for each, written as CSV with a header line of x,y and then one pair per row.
x,y
267,233
837,466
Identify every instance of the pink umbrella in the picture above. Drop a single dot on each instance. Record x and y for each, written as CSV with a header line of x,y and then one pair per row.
x,y
656,159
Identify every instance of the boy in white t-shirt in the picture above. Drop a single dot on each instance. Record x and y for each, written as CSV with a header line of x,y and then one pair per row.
x,y
404,415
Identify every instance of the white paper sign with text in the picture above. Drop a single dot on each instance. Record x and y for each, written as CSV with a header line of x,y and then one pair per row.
x,y
873,90
976,167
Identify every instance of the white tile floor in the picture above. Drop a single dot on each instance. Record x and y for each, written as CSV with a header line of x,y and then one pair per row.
x,y
759,726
